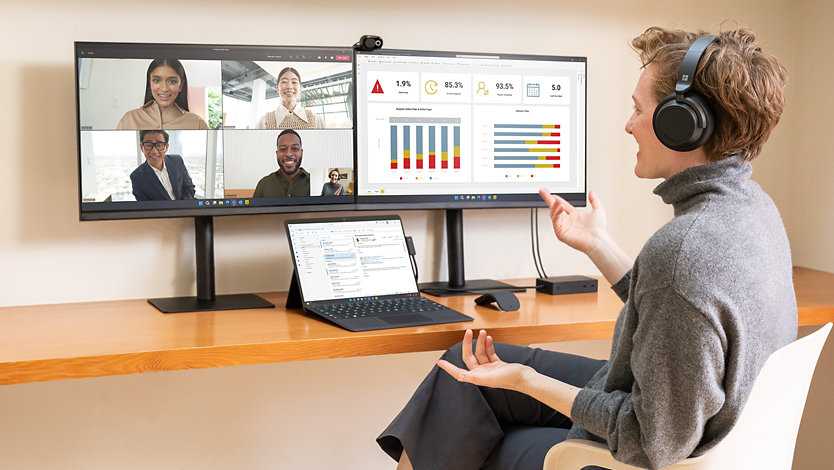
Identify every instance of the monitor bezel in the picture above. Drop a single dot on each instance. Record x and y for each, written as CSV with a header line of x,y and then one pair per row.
x,y
143,50
416,202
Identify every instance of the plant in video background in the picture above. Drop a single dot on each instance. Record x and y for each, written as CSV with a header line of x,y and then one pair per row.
x,y
215,109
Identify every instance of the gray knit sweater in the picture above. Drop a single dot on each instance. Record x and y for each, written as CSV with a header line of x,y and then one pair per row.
x,y
708,299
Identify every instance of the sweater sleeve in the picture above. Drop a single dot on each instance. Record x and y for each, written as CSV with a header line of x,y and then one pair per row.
x,y
678,367
622,286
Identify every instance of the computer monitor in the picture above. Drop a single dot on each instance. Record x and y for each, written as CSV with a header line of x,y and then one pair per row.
x,y
452,130
187,130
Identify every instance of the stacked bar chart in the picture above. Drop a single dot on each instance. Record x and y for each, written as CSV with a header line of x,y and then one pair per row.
x,y
413,140
456,148
394,147
527,146
444,147
419,142
432,153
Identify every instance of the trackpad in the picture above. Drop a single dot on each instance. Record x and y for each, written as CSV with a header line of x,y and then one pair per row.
x,y
402,319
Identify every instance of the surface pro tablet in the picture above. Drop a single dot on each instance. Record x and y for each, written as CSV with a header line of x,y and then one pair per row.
x,y
355,272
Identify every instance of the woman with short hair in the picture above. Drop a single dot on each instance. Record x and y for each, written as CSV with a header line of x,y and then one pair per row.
x,y
708,299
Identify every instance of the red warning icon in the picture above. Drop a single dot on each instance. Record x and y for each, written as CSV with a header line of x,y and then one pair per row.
x,y
377,88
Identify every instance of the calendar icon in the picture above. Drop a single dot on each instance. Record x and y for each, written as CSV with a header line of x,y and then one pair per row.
x,y
533,90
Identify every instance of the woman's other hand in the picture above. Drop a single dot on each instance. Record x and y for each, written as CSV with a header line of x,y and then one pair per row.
x,y
485,368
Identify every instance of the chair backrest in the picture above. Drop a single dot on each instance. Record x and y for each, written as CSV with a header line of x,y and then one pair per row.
x,y
764,436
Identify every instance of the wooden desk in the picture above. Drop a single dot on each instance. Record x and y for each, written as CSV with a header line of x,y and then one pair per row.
x,y
66,341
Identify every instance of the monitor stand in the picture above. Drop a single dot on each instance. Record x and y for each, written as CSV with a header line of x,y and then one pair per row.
x,y
457,284
206,300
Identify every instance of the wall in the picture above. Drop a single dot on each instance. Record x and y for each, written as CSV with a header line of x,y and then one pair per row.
x,y
279,415
809,221
43,234
809,218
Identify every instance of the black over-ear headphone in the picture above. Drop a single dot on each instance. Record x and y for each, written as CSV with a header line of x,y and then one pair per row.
x,y
683,120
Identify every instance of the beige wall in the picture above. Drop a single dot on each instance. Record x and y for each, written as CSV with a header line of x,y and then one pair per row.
x,y
810,217
264,415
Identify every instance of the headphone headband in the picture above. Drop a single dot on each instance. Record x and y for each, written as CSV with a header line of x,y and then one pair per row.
x,y
686,73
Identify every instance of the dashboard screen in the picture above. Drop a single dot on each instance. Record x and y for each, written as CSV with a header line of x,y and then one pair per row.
x,y
466,129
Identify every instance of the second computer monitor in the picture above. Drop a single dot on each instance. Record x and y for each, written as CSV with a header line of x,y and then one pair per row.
x,y
464,130
173,130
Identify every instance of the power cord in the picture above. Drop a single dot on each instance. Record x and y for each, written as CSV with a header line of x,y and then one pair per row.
x,y
534,239
409,243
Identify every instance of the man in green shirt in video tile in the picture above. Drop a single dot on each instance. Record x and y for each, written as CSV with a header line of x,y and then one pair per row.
x,y
290,179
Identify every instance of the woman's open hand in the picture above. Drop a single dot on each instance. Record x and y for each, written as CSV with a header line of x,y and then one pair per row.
x,y
485,368
576,228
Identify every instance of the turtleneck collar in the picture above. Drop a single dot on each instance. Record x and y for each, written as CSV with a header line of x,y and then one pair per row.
x,y
701,179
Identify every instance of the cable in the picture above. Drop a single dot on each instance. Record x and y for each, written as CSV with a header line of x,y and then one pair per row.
x,y
409,243
538,245
414,267
534,241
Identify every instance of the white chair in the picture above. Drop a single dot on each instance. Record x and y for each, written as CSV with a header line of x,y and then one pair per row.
x,y
764,436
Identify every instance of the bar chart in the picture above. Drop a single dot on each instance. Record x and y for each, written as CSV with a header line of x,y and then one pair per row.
x,y
425,143
517,146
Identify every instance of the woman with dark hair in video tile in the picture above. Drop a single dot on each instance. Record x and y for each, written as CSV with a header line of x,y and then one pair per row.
x,y
332,187
290,114
166,100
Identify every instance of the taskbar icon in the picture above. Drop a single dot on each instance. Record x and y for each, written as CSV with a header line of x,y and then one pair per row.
x,y
222,202
471,198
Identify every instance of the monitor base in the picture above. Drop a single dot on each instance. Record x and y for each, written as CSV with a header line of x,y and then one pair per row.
x,y
469,287
220,302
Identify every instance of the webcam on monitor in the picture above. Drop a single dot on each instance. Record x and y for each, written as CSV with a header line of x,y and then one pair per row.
x,y
368,42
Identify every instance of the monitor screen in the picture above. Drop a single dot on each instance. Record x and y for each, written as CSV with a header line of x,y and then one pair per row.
x,y
460,130
167,130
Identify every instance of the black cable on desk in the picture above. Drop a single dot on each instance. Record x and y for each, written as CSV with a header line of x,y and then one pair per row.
x,y
534,239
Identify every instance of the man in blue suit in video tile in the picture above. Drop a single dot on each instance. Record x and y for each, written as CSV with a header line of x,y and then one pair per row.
x,y
162,177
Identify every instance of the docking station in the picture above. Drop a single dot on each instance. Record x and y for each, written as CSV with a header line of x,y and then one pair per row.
x,y
558,285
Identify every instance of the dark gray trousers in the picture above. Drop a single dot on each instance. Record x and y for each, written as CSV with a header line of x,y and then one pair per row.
x,y
451,425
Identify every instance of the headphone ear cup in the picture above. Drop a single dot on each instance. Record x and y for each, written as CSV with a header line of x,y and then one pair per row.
x,y
683,125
